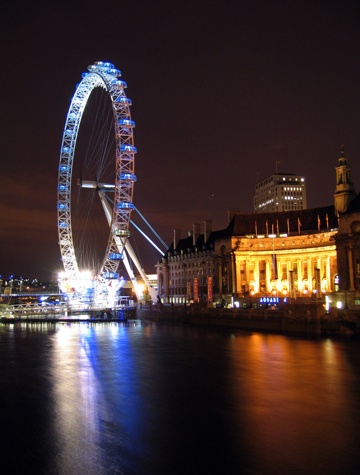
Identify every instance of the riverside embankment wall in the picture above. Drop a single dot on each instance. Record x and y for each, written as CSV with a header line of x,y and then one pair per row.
x,y
309,319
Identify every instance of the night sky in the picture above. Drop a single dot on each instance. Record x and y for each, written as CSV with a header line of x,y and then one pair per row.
x,y
221,90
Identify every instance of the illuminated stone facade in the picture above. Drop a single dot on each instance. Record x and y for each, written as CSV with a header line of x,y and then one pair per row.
x,y
288,265
280,254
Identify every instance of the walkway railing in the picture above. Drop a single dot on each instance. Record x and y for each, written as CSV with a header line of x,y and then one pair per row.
x,y
37,310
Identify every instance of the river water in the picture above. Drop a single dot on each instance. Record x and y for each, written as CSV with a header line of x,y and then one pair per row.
x,y
144,399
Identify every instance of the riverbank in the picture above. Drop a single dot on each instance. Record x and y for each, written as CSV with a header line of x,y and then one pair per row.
x,y
294,319
305,319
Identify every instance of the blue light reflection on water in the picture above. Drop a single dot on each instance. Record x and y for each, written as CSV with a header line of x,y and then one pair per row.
x,y
103,377
149,399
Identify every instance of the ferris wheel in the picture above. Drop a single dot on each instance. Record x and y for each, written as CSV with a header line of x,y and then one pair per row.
x,y
111,179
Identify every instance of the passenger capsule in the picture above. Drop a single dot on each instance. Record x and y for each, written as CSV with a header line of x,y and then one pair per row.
x,y
119,83
128,177
115,256
125,205
103,64
110,275
115,72
128,148
106,64
123,100
122,232
126,123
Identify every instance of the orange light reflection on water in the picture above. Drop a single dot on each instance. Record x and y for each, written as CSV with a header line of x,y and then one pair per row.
x,y
296,399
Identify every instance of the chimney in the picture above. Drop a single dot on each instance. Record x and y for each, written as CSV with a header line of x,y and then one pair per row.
x,y
196,233
207,229
177,234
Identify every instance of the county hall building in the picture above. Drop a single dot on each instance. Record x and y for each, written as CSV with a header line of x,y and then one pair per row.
x,y
300,253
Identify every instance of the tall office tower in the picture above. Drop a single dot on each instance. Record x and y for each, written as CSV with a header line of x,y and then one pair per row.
x,y
280,192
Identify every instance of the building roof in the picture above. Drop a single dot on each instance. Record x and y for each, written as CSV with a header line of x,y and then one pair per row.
x,y
286,222
306,221
186,244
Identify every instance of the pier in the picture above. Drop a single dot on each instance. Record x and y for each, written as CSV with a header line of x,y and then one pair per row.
x,y
38,312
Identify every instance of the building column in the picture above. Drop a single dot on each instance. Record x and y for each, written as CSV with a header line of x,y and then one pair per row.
x,y
278,270
268,276
257,276
310,276
300,276
328,274
247,274
233,274
288,269
237,273
319,266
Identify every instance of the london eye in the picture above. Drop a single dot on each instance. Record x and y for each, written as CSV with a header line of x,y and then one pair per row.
x,y
96,184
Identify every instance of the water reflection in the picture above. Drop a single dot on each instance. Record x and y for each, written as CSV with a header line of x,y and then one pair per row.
x,y
299,403
77,396
151,399
96,403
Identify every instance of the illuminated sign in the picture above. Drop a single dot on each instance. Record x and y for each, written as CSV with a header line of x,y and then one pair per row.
x,y
196,289
210,288
270,300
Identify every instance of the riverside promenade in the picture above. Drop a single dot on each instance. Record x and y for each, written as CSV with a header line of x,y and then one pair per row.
x,y
293,319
